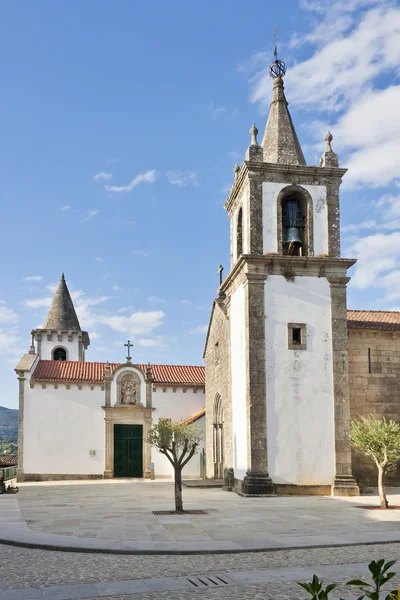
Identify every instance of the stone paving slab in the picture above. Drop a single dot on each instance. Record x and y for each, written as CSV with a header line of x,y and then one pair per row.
x,y
144,586
118,517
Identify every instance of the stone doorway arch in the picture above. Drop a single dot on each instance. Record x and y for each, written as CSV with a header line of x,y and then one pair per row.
x,y
218,438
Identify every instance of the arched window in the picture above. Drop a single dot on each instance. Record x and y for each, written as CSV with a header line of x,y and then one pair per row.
x,y
218,438
60,354
239,233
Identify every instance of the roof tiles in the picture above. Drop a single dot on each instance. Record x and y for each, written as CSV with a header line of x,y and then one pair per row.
x,y
70,371
373,319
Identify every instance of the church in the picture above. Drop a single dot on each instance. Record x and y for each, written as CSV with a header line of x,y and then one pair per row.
x,y
90,420
287,366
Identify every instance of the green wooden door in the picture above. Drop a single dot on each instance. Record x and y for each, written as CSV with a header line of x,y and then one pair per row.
x,y
128,451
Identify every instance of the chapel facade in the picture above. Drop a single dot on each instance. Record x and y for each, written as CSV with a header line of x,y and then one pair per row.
x,y
87,420
287,366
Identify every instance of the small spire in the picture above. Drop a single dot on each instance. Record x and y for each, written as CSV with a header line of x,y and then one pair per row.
x,y
62,315
254,133
107,370
236,170
329,157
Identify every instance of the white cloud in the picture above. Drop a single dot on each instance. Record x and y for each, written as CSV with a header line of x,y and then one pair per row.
x,y
102,176
93,335
377,254
221,111
157,342
38,302
186,302
116,288
9,343
52,287
7,315
200,329
148,177
155,299
183,178
140,253
65,207
138,323
33,278
89,214
99,259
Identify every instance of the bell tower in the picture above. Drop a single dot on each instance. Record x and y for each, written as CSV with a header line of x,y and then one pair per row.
x,y
285,302
61,337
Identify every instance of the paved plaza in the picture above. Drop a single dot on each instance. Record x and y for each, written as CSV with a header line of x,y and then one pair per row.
x,y
119,516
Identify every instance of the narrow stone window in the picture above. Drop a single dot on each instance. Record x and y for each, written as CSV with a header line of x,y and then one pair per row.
x,y
297,336
216,353
369,361
239,233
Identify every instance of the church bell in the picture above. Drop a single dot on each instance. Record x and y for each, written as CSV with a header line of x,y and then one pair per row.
x,y
292,237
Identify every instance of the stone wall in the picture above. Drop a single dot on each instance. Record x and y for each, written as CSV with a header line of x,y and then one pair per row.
x,y
374,381
218,381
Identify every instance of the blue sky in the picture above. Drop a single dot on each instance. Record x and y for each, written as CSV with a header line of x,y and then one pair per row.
x,y
120,124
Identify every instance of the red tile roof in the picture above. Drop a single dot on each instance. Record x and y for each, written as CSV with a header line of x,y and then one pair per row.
x,y
8,460
373,319
93,372
196,416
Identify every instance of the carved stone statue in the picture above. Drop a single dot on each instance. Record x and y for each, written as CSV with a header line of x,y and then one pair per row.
x,y
128,392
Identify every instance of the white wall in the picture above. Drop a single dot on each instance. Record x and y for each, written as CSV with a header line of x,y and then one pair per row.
x,y
270,192
238,369
320,216
47,346
60,428
176,406
300,402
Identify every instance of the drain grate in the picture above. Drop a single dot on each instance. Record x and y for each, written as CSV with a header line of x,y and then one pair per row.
x,y
208,581
185,512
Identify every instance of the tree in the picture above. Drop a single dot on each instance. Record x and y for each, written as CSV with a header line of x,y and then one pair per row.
x,y
380,440
178,441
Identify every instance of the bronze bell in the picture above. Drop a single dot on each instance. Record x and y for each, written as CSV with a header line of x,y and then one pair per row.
x,y
292,237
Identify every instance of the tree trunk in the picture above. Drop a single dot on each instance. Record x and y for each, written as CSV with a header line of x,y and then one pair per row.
x,y
178,490
381,487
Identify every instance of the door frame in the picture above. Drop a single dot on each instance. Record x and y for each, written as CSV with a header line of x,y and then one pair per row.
x,y
126,415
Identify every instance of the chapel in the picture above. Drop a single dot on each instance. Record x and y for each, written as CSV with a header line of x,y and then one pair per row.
x,y
90,420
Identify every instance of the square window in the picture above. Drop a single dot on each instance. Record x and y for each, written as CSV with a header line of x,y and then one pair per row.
x,y
297,336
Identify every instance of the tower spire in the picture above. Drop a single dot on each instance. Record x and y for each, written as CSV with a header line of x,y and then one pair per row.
x,y
62,315
280,142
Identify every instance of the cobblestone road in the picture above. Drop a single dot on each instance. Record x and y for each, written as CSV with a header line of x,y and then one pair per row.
x,y
22,567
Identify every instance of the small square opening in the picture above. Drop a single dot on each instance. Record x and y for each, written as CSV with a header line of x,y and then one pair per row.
x,y
296,336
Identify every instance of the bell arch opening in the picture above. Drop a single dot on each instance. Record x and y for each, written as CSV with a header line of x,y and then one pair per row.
x,y
218,438
295,222
60,353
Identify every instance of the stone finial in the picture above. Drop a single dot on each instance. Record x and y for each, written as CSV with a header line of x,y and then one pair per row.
x,y
236,170
107,371
149,372
254,132
329,158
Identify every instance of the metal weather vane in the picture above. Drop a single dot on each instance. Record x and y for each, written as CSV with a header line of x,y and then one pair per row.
x,y
278,67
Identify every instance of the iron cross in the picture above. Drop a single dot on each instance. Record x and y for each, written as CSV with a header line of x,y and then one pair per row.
x,y
129,346
220,269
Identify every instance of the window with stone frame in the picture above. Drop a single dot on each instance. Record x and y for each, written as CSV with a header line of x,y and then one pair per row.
x,y
297,336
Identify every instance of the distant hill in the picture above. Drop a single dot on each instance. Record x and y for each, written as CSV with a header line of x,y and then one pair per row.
x,y
8,422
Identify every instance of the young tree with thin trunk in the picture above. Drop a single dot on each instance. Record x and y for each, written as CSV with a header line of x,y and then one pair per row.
x,y
178,441
380,440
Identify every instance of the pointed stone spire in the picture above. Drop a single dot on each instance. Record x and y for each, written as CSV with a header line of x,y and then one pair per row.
x,y
62,315
280,142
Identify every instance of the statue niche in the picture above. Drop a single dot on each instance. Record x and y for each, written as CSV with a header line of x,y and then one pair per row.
x,y
128,389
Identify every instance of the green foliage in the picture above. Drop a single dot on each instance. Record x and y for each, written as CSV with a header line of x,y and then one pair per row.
x,y
380,575
378,439
8,423
175,439
315,589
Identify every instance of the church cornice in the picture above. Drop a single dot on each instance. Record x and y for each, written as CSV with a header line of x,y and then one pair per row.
x,y
292,174
259,267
